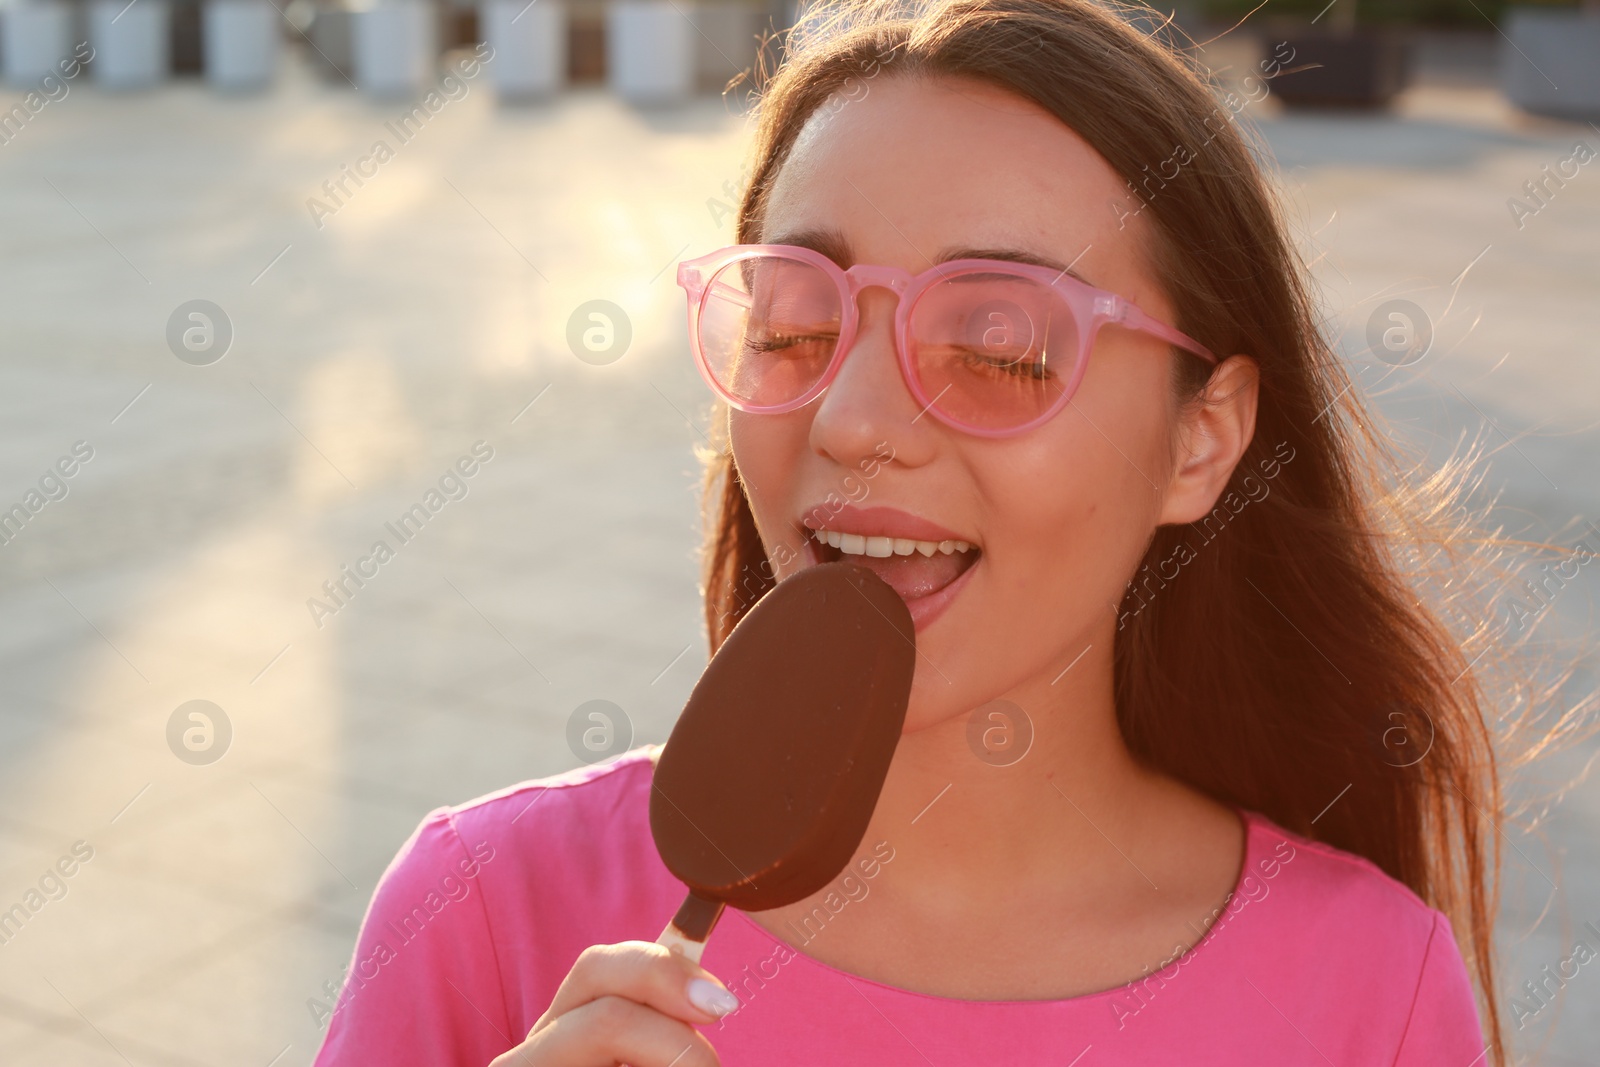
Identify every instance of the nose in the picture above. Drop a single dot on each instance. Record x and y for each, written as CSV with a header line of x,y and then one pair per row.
x,y
868,402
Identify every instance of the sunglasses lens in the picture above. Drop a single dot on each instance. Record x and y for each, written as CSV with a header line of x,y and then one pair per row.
x,y
993,351
768,327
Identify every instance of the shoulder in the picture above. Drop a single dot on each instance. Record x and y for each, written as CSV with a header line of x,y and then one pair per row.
x,y
563,837
616,792
542,814
1333,892
574,844
552,840
1393,956
499,895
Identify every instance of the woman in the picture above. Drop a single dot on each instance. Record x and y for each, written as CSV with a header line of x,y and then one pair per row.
x,y
1189,773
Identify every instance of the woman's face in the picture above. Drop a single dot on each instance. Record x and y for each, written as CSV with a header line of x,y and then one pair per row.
x,y
915,171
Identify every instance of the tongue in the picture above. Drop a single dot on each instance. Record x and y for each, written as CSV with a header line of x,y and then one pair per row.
x,y
917,575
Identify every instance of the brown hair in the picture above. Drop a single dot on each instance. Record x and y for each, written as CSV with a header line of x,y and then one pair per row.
x,y
1291,663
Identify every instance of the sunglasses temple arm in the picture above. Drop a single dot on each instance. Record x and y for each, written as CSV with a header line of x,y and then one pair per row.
x,y
734,296
692,277
1136,319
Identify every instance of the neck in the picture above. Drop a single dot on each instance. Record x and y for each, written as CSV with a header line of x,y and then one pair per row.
x,y
1054,808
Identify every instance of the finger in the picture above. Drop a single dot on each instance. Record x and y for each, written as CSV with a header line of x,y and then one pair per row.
x,y
647,974
613,1030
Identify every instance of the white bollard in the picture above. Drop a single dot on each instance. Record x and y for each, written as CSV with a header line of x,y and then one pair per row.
x,y
241,43
650,50
132,42
530,45
36,35
396,47
1541,46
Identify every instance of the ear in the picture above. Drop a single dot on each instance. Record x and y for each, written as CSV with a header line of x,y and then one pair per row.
x,y
1213,432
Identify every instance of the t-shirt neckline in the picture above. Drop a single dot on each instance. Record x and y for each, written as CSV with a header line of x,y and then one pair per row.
x,y
1250,854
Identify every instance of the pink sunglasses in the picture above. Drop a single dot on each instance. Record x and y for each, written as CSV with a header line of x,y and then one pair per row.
x,y
990,347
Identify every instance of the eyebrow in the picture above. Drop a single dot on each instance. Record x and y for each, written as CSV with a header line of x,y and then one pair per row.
x,y
833,244
828,242
1013,255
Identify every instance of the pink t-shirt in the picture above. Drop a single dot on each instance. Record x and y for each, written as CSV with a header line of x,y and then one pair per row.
x,y
1318,957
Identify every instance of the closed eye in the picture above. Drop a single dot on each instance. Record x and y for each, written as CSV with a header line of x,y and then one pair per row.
x,y
777,342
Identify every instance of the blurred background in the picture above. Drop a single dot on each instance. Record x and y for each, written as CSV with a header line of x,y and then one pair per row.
x,y
284,280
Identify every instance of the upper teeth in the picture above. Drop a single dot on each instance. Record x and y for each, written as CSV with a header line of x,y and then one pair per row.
x,y
859,545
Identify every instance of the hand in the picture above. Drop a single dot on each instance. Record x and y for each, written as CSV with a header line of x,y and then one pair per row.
x,y
632,1003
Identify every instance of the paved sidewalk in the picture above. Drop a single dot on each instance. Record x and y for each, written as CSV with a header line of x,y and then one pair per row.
x,y
208,903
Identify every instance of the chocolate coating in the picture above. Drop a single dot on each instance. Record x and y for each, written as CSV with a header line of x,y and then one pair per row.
x,y
764,790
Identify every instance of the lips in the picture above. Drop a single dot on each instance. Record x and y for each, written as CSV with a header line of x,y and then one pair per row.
x,y
885,522
926,564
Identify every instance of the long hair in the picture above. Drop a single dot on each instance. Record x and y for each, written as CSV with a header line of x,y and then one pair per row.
x,y
1303,664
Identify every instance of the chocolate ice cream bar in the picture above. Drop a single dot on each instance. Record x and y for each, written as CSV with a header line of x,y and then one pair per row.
x,y
765,787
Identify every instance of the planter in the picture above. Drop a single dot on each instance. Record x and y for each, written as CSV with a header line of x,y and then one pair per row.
x,y
1349,69
333,42
188,34
241,44
396,47
1562,47
586,44
725,43
530,46
35,35
459,24
131,44
649,51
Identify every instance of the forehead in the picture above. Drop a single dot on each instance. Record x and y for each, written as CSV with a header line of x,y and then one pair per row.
x,y
903,166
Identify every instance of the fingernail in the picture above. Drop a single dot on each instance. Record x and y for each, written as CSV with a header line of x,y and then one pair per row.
x,y
711,998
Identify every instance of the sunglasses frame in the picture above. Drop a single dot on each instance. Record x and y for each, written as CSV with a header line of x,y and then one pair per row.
x,y
1092,309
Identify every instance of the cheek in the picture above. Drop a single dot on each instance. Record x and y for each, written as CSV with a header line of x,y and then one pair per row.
x,y
1072,528
1062,536
1085,502
1066,513
769,450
